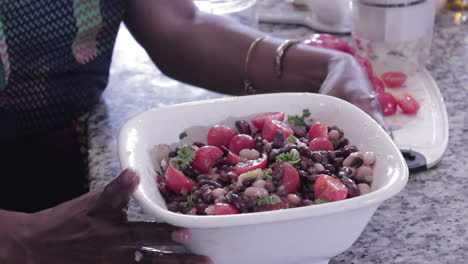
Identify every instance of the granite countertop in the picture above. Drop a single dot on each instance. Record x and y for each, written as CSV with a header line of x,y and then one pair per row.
x,y
426,223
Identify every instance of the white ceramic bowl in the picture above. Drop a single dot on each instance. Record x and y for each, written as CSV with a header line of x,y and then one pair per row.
x,y
310,234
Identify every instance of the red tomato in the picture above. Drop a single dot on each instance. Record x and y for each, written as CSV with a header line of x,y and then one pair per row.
x,y
178,182
250,165
330,42
260,120
206,157
388,103
290,178
232,158
318,131
329,188
367,65
241,142
321,144
273,207
394,79
378,85
233,175
219,136
408,104
224,209
271,126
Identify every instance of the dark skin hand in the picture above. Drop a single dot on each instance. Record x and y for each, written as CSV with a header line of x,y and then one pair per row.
x,y
88,230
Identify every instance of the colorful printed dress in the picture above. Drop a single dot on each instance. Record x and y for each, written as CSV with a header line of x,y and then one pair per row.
x,y
55,57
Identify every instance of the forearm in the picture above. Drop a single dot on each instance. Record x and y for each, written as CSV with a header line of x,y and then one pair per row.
x,y
12,237
209,51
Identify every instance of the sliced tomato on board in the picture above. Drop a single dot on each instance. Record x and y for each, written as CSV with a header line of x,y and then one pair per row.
x,y
328,41
379,86
241,142
408,104
394,79
271,126
388,103
290,178
329,188
260,120
177,181
321,144
219,136
206,157
250,165
318,130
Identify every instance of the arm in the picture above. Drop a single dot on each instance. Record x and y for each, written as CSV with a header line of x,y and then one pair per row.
x,y
12,236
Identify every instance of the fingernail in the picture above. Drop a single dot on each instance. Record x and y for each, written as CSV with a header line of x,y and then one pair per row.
x,y
181,236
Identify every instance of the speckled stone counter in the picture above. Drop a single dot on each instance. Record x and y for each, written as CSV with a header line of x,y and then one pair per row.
x,y
426,223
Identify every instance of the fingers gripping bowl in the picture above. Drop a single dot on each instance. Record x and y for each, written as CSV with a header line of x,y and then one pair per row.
x,y
310,234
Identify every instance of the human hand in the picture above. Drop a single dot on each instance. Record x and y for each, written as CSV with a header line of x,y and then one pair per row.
x,y
94,229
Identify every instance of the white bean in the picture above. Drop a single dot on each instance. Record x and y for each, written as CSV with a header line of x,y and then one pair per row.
x,y
164,164
294,199
209,210
251,154
319,167
334,135
294,151
347,162
254,191
218,192
364,188
259,184
364,171
369,158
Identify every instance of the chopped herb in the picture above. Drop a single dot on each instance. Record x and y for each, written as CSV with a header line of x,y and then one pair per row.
x,y
267,174
341,133
185,156
189,203
320,201
290,157
335,143
230,193
183,135
291,139
267,200
299,120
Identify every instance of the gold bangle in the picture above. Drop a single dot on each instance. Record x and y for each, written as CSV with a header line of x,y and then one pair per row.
x,y
248,84
280,51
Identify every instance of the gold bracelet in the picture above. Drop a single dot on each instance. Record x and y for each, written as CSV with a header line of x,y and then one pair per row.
x,y
248,84
280,51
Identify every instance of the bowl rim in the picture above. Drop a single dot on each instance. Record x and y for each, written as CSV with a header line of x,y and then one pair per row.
x,y
399,179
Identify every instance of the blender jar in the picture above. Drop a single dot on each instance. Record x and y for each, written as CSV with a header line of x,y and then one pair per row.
x,y
395,35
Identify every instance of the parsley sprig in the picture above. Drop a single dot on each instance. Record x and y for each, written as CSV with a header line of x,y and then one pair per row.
x,y
289,157
185,156
299,120
183,135
189,203
267,174
267,200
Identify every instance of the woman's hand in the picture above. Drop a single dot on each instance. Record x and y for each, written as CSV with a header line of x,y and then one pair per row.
x,y
94,229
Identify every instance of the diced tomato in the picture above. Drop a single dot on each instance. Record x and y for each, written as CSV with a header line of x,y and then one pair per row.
x,y
260,120
232,158
224,209
379,86
318,130
330,42
321,144
408,104
178,182
290,178
329,188
241,142
367,65
206,157
394,79
250,165
279,205
219,136
388,103
233,175
271,126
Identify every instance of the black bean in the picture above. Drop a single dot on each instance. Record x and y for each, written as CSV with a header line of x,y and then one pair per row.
x,y
307,202
327,172
201,208
199,144
258,139
173,206
243,127
349,149
330,128
278,173
304,140
163,189
196,194
205,188
258,134
207,196
236,200
302,173
278,139
203,177
238,189
270,186
312,170
282,191
267,148
343,142
287,148
331,156
353,189
312,178
305,151
248,182
330,168
250,201
357,162
272,157
223,177
259,147
191,172
299,131
317,157
210,182
344,172
338,162
172,154
339,153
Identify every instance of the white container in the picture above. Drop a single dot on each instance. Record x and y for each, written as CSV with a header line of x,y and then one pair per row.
x,y
395,35
308,235
331,12
243,11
